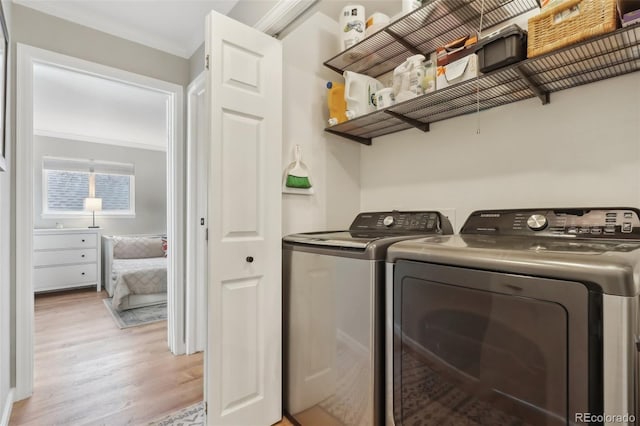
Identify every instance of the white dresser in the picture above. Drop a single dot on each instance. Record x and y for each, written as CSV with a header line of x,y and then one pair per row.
x,y
66,258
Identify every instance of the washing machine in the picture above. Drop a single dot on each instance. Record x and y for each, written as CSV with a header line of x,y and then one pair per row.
x,y
527,317
333,319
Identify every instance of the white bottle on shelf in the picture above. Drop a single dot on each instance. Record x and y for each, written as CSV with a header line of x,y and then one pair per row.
x,y
352,26
359,93
410,5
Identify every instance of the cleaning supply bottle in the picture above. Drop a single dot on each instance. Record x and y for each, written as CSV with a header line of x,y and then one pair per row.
x,y
408,78
352,26
429,79
336,103
360,93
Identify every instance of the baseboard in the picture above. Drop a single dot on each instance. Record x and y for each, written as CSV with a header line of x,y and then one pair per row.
x,y
6,409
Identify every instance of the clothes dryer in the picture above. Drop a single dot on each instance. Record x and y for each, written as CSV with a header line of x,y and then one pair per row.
x,y
527,317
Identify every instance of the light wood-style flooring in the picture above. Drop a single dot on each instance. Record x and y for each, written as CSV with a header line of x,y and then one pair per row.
x,y
89,372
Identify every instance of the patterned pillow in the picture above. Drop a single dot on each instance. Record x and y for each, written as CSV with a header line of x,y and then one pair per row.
x,y
137,247
165,245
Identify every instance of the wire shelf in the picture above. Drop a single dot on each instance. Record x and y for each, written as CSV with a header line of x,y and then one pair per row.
x,y
424,30
600,58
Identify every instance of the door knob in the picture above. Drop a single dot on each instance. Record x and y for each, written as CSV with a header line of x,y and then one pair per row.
x,y
249,259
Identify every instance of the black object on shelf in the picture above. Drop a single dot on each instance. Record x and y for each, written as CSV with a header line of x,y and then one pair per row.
x,y
504,47
599,58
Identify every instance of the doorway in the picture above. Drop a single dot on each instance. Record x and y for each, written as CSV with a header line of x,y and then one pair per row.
x,y
29,57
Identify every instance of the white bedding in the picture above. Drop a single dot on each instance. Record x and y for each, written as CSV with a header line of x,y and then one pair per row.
x,y
138,276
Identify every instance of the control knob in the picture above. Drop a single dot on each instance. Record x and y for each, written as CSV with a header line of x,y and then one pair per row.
x,y
537,222
388,221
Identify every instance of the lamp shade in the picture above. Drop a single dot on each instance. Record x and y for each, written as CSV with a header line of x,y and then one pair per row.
x,y
93,204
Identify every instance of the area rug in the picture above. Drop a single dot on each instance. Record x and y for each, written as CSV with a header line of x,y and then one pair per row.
x,y
190,416
137,316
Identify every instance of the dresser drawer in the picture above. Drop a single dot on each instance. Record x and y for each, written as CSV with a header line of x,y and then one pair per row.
x,y
64,257
53,277
66,241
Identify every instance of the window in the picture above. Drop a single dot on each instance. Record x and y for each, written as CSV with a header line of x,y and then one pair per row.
x,y
67,182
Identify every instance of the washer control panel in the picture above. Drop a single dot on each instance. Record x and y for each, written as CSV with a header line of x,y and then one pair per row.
x,y
397,221
617,223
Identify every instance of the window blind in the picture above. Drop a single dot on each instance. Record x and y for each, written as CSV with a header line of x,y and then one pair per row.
x,y
83,165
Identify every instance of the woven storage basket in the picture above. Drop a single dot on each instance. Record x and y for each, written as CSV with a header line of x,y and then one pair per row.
x,y
592,18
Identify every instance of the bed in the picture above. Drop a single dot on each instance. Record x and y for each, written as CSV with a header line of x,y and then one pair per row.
x,y
135,270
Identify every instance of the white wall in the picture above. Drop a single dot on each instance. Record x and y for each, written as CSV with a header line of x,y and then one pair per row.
x,y
5,248
583,149
150,185
334,163
48,32
81,106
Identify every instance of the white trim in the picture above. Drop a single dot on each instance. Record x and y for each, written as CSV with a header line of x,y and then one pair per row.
x,y
281,15
8,406
27,56
94,139
24,224
195,320
175,222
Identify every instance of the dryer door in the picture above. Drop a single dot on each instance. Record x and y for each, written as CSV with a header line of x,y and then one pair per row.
x,y
478,347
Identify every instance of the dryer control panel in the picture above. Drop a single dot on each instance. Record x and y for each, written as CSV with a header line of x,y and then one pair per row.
x,y
617,223
399,222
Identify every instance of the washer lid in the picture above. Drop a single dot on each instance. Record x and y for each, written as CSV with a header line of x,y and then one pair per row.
x,y
347,239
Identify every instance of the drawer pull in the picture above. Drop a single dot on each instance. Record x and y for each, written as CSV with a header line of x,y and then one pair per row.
x,y
83,273
83,255
83,241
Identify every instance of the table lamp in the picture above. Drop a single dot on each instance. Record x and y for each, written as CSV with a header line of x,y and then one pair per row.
x,y
94,205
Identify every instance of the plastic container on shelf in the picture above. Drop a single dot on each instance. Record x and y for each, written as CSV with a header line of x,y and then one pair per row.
x,y
504,47
375,23
429,79
336,103
408,78
352,26
359,93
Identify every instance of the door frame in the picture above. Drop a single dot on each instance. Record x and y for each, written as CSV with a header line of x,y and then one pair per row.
x,y
195,290
27,57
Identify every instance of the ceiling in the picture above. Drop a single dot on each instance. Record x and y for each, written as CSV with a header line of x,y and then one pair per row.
x,y
73,105
174,26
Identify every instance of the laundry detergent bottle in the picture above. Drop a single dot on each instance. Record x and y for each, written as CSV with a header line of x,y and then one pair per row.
x,y
360,93
336,103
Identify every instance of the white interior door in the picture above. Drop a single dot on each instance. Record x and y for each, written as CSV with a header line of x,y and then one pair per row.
x,y
244,338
